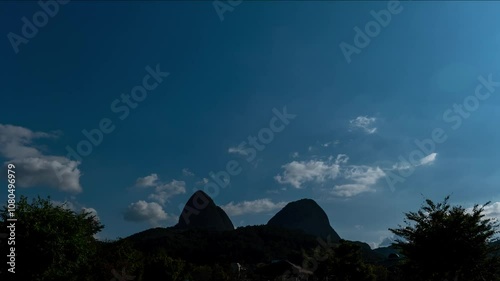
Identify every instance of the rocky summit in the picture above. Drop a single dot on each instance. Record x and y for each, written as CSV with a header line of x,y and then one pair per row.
x,y
200,211
305,215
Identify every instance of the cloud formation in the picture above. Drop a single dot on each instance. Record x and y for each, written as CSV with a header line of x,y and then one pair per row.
x,y
147,181
162,191
186,172
356,178
299,172
427,160
237,150
252,207
363,178
151,212
165,191
38,169
490,211
364,123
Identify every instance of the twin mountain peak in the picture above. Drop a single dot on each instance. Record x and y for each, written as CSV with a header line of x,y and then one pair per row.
x,y
200,211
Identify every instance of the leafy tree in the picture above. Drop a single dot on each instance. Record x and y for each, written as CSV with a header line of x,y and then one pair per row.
x,y
444,242
52,242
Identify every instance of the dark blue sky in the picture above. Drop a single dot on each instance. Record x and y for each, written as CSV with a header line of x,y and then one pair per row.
x,y
355,115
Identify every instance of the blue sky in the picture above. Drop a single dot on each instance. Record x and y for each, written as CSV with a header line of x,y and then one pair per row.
x,y
228,75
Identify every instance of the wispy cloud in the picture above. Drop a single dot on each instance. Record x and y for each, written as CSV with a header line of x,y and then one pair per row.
x,y
252,207
429,159
203,181
365,123
405,165
327,144
363,178
237,150
186,172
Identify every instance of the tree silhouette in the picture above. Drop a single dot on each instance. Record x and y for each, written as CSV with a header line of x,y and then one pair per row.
x,y
444,242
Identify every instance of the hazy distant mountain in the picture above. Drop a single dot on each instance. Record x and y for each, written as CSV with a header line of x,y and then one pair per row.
x,y
385,252
306,215
203,214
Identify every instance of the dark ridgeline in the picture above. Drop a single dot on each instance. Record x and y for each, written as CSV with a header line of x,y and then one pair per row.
x,y
305,215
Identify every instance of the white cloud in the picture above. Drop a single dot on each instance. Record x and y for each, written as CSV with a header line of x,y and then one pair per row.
x,y
363,178
92,212
355,179
363,174
427,160
365,123
237,150
165,191
147,181
295,155
37,169
186,172
298,173
349,190
16,142
252,207
490,211
150,212
162,191
341,159
52,171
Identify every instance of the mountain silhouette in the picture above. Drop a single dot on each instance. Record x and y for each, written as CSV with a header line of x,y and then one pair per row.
x,y
200,211
306,215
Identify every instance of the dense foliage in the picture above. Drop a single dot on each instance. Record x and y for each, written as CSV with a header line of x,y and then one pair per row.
x,y
444,242
52,242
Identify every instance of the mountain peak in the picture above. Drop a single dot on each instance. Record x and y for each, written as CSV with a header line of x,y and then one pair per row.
x,y
306,215
200,211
